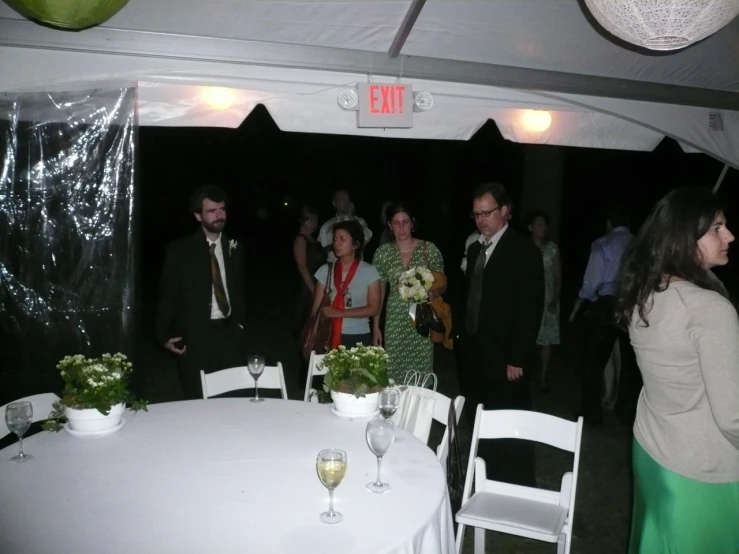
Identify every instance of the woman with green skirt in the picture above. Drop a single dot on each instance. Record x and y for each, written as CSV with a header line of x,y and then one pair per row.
x,y
685,334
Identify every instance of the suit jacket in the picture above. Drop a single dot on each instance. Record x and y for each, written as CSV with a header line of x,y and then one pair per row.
x,y
186,288
511,306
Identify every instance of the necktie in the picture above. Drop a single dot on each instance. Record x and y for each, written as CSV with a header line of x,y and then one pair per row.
x,y
218,288
475,294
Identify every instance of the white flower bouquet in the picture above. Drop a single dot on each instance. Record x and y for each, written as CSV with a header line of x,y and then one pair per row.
x,y
414,285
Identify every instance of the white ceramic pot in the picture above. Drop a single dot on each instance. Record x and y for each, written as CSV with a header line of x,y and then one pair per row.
x,y
350,405
92,421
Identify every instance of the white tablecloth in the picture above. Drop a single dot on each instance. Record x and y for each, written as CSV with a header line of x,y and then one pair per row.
x,y
220,475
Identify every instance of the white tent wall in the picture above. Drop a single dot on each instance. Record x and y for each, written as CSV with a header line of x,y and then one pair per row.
x,y
544,50
172,93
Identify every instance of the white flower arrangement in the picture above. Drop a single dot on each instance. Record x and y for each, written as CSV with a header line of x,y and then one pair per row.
x,y
98,383
358,370
414,285
231,245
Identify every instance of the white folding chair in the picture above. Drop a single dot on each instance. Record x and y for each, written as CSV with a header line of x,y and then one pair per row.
x,y
313,370
236,378
523,511
441,414
42,406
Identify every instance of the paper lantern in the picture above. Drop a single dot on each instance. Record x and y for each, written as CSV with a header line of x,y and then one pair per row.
x,y
663,24
68,14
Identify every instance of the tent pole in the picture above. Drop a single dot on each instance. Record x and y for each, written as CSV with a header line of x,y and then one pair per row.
x,y
405,28
720,178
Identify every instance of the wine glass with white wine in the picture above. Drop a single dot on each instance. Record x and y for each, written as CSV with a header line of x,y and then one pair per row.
x,y
331,468
256,367
380,437
18,418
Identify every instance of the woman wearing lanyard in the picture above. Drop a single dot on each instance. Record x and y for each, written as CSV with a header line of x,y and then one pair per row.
x,y
354,287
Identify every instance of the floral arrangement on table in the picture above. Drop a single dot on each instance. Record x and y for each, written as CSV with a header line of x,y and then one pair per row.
x,y
414,285
93,383
359,370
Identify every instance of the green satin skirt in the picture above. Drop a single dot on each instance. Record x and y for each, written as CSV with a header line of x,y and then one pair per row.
x,y
674,514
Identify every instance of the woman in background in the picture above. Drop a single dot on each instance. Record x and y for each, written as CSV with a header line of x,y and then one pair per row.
x,y
685,333
309,256
549,330
355,288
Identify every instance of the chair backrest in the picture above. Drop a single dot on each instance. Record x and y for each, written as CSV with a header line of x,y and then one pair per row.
x,y
42,406
441,414
313,370
527,425
236,378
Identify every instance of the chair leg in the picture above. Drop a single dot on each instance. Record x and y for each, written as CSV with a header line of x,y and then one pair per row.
x,y
479,540
563,544
460,537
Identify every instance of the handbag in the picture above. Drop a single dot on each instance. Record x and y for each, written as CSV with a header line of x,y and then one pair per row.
x,y
439,321
416,406
454,476
315,333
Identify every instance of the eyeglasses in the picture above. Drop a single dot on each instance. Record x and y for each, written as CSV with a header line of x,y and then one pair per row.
x,y
484,215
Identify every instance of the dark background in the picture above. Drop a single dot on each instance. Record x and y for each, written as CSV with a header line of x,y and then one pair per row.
x,y
270,174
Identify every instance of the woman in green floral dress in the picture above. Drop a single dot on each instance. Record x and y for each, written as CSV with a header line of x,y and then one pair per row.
x,y
406,348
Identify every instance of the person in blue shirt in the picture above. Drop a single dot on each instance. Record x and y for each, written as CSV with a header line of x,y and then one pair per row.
x,y
596,300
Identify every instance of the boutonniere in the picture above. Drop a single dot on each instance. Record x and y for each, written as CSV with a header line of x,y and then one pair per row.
x,y
231,245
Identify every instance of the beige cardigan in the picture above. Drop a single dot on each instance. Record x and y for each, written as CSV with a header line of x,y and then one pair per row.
x,y
688,413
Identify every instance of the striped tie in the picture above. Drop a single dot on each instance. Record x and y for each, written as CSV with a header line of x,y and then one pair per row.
x,y
218,288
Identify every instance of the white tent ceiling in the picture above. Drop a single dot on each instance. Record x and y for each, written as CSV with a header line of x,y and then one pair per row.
x,y
480,60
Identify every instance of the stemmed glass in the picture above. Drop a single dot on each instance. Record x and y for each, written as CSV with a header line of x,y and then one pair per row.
x,y
256,367
387,402
331,467
18,418
380,437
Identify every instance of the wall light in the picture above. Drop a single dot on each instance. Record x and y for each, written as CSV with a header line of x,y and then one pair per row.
x,y
219,98
536,121
422,101
348,99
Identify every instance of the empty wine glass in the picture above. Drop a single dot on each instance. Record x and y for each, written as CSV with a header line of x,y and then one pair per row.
x,y
256,367
331,467
18,418
380,437
387,402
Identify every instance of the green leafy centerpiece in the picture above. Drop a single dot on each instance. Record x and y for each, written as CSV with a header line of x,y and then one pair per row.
x,y
354,378
96,391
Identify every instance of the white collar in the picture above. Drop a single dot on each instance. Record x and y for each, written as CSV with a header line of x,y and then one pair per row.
x,y
217,241
495,238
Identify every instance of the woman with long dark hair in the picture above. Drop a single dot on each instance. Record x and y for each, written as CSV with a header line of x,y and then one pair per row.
x,y
406,348
685,334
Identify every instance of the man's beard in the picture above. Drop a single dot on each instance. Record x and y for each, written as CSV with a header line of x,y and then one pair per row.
x,y
215,227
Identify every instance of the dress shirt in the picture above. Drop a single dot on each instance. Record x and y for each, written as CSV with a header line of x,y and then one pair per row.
x,y
602,274
326,234
493,241
467,243
215,311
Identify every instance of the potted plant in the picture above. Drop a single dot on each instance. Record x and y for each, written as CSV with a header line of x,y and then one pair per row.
x,y
355,377
96,391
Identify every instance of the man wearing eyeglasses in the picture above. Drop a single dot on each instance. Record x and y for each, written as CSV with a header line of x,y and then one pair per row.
x,y
497,344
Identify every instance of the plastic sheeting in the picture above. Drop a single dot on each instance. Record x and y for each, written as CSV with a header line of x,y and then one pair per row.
x,y
67,246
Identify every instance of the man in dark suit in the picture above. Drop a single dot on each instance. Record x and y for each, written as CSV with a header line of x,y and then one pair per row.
x,y
200,316
504,306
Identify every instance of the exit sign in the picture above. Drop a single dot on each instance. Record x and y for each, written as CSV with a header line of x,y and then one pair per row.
x,y
384,105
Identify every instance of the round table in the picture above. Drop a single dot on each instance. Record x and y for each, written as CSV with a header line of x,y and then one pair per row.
x,y
221,475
